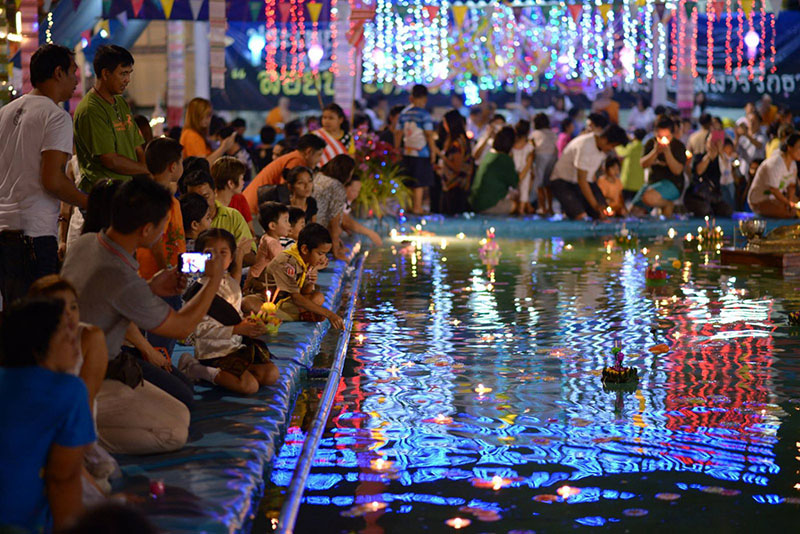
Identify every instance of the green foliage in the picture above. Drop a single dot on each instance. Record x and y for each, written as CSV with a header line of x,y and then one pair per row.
x,y
381,186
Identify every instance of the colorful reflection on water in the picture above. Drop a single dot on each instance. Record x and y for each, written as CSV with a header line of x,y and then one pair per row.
x,y
477,393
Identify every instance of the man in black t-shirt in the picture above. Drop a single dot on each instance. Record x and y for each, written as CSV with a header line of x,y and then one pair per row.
x,y
666,157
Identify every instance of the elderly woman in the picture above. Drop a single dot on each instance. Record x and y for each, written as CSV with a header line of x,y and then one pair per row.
x,y
330,191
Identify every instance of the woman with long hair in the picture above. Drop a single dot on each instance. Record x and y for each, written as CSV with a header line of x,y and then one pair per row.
x,y
334,131
194,136
456,164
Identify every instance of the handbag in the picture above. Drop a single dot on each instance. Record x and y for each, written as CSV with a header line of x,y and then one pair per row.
x,y
125,368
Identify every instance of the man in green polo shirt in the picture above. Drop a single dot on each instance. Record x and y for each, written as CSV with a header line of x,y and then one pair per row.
x,y
108,142
222,217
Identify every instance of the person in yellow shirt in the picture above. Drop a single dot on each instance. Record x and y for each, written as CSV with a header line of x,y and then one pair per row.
x,y
784,131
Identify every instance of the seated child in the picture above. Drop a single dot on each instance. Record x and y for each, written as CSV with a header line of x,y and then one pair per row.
x,y
228,173
611,186
196,217
274,217
297,221
226,351
293,275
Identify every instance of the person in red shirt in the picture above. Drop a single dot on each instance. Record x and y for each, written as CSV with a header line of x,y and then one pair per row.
x,y
228,173
308,153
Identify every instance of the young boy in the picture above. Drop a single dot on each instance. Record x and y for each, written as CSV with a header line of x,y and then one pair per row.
x,y
228,174
196,217
223,217
611,186
274,217
225,350
297,221
293,275
164,161
416,137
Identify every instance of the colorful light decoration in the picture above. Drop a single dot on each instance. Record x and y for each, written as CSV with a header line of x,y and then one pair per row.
x,y
581,46
271,39
711,17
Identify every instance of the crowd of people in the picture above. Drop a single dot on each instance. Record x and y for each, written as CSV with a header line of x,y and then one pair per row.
x,y
97,215
98,219
518,161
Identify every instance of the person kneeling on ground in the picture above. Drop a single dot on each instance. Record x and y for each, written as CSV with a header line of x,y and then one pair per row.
x,y
611,186
665,156
133,416
293,274
495,176
226,351
706,196
772,193
573,182
45,417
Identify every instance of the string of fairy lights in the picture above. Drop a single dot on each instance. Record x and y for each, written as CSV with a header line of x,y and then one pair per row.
x,y
488,45
525,44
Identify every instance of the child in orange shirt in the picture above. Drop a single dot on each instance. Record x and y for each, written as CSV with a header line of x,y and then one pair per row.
x,y
163,157
611,186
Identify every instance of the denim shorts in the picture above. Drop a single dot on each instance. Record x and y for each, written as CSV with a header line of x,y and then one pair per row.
x,y
665,188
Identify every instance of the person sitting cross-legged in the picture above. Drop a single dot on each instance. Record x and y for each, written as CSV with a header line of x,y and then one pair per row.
x,y
227,351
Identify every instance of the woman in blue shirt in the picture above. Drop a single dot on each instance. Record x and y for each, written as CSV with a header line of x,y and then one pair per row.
x,y
44,412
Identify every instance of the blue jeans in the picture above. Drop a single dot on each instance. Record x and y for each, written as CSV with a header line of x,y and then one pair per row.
x,y
165,342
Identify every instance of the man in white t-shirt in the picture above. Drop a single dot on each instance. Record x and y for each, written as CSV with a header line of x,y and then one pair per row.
x,y
35,145
573,178
772,193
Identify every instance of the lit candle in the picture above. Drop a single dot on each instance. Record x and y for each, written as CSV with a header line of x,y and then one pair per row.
x,y
609,210
566,491
481,389
458,523
461,235
664,140
495,483
380,465
269,295
374,506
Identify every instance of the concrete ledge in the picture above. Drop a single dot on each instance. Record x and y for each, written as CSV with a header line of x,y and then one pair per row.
x,y
211,483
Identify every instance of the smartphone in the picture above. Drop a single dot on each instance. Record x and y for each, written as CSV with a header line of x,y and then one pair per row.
x,y
717,136
194,262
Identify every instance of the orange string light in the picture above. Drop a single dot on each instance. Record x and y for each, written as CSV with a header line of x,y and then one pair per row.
x,y
740,44
271,38
728,34
710,19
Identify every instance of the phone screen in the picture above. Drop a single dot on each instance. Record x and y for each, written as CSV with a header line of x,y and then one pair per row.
x,y
194,262
717,136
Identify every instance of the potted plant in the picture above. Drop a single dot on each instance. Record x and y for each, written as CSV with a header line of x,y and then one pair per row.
x,y
379,167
